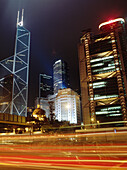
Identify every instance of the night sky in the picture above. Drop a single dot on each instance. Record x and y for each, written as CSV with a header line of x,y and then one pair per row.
x,y
55,27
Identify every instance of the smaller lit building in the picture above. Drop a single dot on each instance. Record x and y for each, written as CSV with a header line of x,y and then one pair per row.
x,y
67,106
46,103
39,114
42,103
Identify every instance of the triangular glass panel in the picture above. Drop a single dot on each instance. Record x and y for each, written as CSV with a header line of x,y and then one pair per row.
x,y
6,88
8,108
16,89
24,39
22,74
20,47
15,113
23,55
6,84
19,103
19,89
7,64
20,83
24,93
3,72
19,64
21,31
5,108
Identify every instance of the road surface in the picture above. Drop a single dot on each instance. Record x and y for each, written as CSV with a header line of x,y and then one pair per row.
x,y
61,152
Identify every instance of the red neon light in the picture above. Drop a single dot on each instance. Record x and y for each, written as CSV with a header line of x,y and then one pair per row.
x,y
111,21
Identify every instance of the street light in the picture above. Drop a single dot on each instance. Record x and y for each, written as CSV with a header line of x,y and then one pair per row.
x,y
92,119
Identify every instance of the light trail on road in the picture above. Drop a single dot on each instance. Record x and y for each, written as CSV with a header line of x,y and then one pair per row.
x,y
64,151
88,156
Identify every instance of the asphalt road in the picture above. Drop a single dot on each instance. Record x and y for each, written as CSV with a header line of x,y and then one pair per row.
x,y
61,152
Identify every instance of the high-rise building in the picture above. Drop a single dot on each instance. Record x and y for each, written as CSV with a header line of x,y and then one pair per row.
x,y
60,75
14,72
67,106
45,85
103,73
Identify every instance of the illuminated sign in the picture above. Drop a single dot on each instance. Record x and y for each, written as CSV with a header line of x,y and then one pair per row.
x,y
112,21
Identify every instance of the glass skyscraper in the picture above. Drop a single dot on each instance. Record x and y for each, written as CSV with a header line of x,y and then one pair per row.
x,y
60,75
45,85
14,72
103,73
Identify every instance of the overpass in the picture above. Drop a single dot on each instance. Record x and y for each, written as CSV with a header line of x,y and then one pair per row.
x,y
13,123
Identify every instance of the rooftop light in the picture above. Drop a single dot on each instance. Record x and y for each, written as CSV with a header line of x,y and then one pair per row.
x,y
112,21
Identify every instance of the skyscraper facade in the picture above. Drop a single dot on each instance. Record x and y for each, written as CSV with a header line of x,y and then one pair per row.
x,y
14,72
60,75
45,85
103,73
67,106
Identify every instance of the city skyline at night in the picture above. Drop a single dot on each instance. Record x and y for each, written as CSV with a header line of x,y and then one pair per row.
x,y
63,84
55,28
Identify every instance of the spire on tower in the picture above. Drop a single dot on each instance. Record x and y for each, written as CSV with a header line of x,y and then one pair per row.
x,y
20,23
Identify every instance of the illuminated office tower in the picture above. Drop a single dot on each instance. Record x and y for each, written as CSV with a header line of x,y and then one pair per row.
x,y
103,73
45,85
60,75
14,72
67,106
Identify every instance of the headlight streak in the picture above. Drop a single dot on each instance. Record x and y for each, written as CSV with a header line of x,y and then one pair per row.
x,y
97,155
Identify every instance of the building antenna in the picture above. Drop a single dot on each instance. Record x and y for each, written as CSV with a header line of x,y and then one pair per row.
x,y
22,16
20,23
17,18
